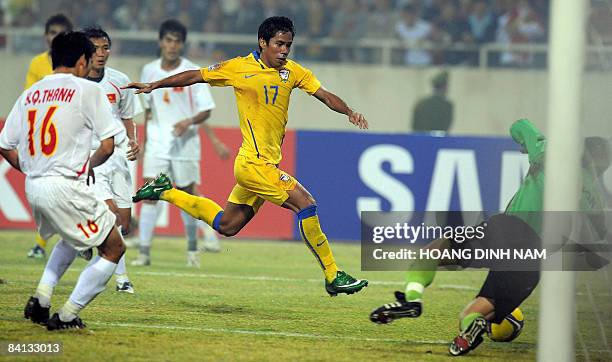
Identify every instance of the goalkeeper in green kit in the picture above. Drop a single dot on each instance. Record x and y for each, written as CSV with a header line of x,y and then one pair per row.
x,y
520,226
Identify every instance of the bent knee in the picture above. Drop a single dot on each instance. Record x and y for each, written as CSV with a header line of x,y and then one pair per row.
x,y
228,232
113,247
228,229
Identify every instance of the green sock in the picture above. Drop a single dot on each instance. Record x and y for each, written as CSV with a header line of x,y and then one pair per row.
x,y
419,276
465,322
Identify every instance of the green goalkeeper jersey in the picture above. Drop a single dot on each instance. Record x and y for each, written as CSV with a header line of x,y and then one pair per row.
x,y
528,201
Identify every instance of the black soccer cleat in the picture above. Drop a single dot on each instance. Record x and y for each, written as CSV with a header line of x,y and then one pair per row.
x,y
387,313
35,312
468,339
55,323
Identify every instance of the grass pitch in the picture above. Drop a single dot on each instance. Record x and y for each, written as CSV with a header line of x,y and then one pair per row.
x,y
261,300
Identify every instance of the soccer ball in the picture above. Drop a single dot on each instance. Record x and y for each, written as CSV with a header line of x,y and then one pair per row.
x,y
508,329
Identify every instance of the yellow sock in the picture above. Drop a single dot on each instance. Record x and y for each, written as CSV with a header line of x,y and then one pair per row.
x,y
40,241
196,206
316,241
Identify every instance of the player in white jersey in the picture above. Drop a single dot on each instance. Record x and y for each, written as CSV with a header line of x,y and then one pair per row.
x,y
48,136
172,141
113,178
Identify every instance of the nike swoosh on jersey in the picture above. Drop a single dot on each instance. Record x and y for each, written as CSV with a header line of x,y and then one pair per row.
x,y
321,243
249,76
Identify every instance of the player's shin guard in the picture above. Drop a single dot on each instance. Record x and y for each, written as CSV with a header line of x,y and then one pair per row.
x,y
40,241
199,207
61,258
316,241
91,282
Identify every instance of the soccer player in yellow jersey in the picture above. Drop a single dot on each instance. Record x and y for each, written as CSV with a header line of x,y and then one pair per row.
x,y
40,66
262,81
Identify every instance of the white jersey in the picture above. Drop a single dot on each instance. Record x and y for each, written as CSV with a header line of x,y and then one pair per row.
x,y
52,125
170,106
124,102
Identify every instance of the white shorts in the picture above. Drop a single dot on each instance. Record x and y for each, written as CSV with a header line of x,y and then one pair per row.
x,y
114,181
182,172
68,207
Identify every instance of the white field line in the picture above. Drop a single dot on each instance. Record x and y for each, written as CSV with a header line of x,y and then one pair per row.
x,y
602,329
585,350
267,278
265,333
277,279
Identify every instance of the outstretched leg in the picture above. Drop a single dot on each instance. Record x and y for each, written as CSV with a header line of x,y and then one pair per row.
x,y
303,204
228,221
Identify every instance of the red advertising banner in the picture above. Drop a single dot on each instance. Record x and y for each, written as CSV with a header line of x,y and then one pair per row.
x,y
271,222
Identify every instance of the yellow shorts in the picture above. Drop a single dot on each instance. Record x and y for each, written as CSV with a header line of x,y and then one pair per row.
x,y
258,181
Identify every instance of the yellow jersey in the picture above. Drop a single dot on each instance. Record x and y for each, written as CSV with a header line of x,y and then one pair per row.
x,y
40,66
262,98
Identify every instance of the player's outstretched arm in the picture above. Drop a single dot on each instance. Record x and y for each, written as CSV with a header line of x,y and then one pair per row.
x,y
182,79
220,148
12,157
336,103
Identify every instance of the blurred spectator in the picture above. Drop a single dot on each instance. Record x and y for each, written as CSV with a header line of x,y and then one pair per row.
x,y
154,15
129,16
247,17
438,22
380,20
431,9
481,22
518,26
413,31
457,29
272,8
600,23
214,22
348,25
600,33
317,28
435,112
298,12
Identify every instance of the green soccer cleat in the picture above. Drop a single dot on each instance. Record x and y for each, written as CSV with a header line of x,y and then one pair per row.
x,y
152,190
344,283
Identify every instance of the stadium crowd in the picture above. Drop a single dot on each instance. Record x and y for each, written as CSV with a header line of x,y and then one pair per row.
x,y
441,23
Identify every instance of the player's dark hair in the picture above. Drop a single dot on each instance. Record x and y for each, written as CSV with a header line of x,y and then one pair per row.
x,y
58,19
96,32
272,25
173,26
67,48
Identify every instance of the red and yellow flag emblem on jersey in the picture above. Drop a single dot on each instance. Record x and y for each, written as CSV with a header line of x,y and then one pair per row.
x,y
112,97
